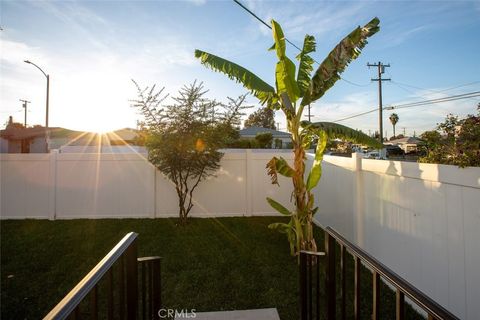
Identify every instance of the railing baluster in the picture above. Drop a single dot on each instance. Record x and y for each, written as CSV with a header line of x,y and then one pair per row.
x,y
303,286
132,276
121,271
343,258
157,286
400,305
356,302
376,295
330,277
310,286
77,312
94,303
144,292
150,291
317,300
110,294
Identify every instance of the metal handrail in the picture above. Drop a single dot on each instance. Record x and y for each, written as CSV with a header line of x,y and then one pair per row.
x,y
68,304
420,298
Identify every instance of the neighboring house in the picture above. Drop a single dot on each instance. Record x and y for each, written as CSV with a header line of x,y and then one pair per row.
x,y
16,139
251,133
408,144
123,136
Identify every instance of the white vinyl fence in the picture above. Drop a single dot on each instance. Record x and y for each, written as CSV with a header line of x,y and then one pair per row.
x,y
70,185
421,220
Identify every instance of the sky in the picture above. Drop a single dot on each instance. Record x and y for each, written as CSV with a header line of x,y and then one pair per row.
x,y
93,49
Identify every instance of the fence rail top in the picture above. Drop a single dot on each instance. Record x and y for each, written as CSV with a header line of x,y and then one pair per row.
x,y
76,295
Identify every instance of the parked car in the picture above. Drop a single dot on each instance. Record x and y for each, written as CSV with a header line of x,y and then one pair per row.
x,y
394,151
373,155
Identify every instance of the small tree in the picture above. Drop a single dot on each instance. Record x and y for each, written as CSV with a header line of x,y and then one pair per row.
x,y
264,140
460,144
183,138
263,117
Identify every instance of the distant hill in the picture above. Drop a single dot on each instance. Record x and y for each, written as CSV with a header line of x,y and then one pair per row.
x,y
62,136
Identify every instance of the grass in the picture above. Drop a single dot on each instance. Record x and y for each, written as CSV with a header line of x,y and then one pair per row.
x,y
209,265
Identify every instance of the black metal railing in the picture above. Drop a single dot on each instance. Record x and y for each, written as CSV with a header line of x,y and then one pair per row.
x,y
310,284
310,278
110,289
151,298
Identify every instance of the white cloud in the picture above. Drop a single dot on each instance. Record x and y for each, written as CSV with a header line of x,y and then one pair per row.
x,y
398,37
78,18
320,19
197,2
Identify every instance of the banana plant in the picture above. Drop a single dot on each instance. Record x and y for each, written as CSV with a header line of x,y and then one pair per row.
x,y
292,92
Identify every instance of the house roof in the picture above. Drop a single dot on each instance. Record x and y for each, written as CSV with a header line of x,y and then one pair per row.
x,y
12,133
253,131
406,140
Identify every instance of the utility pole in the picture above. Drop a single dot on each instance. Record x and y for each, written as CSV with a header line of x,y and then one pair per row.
x,y
381,70
309,115
24,105
404,131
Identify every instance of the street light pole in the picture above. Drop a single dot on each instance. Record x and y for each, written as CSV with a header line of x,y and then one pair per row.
x,y
48,90
48,94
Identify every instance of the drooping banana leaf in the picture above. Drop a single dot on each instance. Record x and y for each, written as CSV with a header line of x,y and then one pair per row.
x,y
279,165
277,206
259,88
335,63
316,171
335,130
305,67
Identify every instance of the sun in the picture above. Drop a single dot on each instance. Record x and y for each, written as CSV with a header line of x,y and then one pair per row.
x,y
97,127
100,123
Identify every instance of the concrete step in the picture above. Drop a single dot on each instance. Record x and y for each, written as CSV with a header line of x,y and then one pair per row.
x,y
255,314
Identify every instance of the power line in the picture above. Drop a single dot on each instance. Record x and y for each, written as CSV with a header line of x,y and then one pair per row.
x,y
401,86
11,111
438,100
356,84
418,103
270,27
357,115
263,22
437,91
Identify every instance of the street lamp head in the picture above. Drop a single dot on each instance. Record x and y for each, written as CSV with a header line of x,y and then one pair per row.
x,y
26,61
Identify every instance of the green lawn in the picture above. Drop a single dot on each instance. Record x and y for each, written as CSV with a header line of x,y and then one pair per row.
x,y
211,264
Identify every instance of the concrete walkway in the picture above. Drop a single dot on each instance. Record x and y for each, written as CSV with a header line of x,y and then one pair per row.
x,y
256,314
